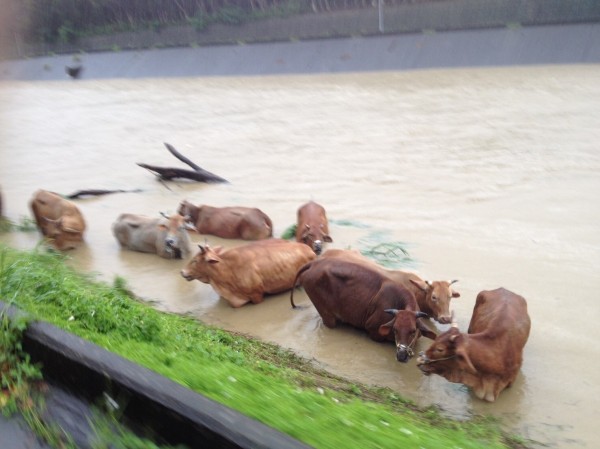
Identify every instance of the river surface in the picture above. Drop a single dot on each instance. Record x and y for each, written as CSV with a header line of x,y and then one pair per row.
x,y
489,176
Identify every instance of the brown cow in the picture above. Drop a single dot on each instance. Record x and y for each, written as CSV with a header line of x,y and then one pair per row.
x,y
363,297
166,236
58,219
312,227
489,356
433,297
246,223
246,273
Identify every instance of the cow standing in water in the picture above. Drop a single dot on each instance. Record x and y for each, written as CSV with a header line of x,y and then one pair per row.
x,y
361,296
58,219
312,227
433,297
166,236
245,223
245,274
489,356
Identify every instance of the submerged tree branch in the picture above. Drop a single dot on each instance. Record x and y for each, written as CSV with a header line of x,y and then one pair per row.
x,y
169,173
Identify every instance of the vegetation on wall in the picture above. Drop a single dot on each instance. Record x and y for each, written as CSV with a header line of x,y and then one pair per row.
x,y
65,20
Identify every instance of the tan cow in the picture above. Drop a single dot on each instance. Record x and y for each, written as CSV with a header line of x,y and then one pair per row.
x,y
246,223
488,357
433,297
312,227
247,273
58,219
165,236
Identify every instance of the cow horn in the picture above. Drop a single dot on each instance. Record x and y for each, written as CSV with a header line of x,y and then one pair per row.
x,y
421,315
429,283
392,311
452,281
164,215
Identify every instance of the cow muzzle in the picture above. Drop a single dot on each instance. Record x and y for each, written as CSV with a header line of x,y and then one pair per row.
x,y
444,319
422,362
171,247
318,247
404,353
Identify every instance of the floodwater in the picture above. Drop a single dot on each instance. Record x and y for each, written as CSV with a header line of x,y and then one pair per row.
x,y
489,176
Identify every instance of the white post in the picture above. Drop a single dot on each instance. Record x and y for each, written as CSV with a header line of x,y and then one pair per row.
x,y
380,6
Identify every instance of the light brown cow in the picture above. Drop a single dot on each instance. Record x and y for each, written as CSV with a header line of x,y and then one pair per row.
x,y
247,273
165,236
312,227
488,357
58,219
433,297
246,223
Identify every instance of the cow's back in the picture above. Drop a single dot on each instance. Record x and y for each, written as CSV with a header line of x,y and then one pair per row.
x,y
136,232
274,261
500,311
47,205
401,277
347,291
236,222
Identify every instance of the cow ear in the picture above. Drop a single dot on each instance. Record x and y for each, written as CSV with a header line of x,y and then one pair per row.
x,y
455,294
327,238
213,258
463,356
425,331
385,329
421,284
162,227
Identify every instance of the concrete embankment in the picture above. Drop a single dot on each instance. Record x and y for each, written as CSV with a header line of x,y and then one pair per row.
x,y
549,44
80,375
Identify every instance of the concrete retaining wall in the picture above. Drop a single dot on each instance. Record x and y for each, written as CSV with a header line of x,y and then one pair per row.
x,y
552,44
178,415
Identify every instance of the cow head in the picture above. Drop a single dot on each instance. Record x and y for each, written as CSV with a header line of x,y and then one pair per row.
x,y
407,329
315,236
447,356
61,234
200,265
189,211
437,298
176,239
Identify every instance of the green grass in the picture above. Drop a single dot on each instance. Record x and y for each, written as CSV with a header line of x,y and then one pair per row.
x,y
261,380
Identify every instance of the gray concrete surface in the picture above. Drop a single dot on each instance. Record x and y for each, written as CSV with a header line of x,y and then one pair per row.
x,y
80,374
550,44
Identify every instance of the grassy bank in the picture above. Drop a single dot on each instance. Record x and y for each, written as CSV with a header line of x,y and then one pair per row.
x,y
260,380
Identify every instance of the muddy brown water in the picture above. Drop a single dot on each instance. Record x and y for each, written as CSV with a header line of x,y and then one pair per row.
x,y
489,176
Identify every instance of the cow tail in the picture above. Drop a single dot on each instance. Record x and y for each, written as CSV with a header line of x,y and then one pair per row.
x,y
302,269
